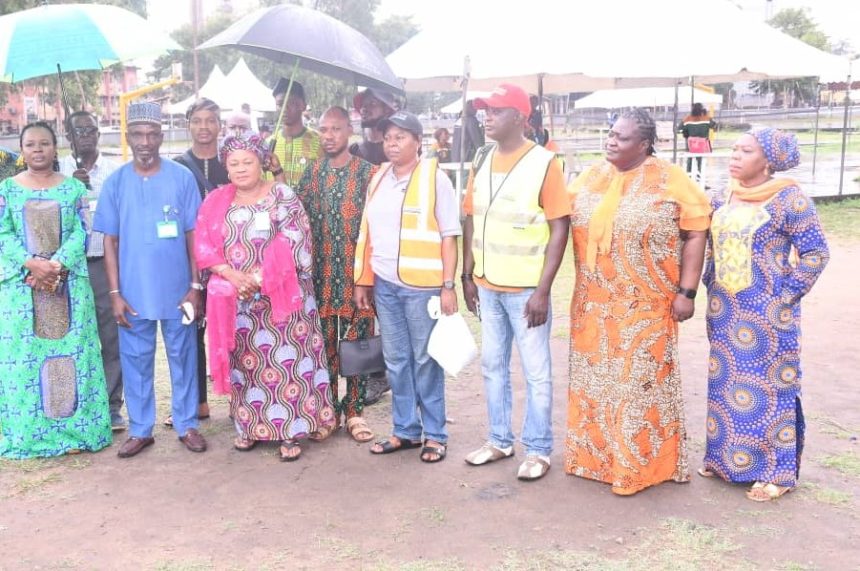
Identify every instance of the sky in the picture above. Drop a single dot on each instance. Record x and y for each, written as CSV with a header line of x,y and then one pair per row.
x,y
839,19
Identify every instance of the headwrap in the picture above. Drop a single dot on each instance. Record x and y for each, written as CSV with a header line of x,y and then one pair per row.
x,y
251,143
202,104
780,148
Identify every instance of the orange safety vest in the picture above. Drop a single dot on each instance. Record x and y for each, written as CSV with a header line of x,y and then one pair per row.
x,y
419,262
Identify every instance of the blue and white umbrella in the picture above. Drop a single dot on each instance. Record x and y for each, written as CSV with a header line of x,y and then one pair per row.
x,y
75,37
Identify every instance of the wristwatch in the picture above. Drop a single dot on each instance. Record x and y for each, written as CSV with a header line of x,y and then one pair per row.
x,y
448,284
688,293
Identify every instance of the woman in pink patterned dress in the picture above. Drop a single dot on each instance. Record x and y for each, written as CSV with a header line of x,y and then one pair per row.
x,y
265,343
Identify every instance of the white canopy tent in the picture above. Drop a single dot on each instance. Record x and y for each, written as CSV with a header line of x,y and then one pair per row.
x,y
613,44
231,91
648,97
598,48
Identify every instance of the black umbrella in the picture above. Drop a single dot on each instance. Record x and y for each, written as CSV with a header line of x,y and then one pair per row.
x,y
295,35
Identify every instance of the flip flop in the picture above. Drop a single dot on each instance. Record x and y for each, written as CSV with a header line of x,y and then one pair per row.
x,y
244,444
289,446
440,450
387,447
761,492
359,430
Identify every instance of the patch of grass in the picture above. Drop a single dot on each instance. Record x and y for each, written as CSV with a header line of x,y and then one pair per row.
x,y
795,566
189,565
557,559
430,565
846,463
833,428
435,515
675,545
26,466
841,219
825,495
32,484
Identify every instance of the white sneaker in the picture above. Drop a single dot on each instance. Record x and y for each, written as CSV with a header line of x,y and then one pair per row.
x,y
488,453
534,467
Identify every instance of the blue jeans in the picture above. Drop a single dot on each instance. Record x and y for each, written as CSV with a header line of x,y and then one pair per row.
x,y
137,357
502,322
417,381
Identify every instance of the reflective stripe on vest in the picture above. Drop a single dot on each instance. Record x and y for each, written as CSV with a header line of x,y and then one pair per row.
x,y
510,229
419,262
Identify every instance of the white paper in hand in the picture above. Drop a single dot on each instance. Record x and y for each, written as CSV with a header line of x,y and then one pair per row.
x,y
451,343
187,313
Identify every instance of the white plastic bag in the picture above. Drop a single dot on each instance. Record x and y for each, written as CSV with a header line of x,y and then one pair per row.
x,y
451,343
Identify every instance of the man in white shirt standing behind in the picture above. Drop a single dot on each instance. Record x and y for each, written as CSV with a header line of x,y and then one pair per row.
x,y
92,168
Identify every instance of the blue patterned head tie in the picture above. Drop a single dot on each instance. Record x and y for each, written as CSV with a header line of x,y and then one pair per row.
x,y
145,112
780,148
251,143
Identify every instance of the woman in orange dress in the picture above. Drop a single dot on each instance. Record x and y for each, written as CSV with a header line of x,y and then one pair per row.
x,y
639,231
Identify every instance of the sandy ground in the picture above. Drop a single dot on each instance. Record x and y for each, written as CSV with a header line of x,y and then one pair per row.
x,y
341,507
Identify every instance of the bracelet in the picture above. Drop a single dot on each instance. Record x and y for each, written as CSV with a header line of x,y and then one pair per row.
x,y
688,293
197,285
113,291
466,277
278,172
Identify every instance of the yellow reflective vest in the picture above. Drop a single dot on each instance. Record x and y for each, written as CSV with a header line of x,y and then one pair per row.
x,y
510,229
420,260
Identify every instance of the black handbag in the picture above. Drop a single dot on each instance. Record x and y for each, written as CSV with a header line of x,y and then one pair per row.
x,y
360,356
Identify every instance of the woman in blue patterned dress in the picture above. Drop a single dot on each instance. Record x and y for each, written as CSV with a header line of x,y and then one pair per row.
x,y
53,399
766,250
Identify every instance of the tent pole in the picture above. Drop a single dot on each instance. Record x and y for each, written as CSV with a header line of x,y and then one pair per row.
x,y
815,140
845,126
675,125
467,70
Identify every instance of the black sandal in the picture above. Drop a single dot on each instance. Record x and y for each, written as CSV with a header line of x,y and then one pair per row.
x,y
387,447
440,451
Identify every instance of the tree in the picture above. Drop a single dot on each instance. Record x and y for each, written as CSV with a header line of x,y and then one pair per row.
x,y
797,23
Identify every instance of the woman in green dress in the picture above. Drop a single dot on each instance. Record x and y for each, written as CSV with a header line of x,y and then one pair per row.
x,y
53,399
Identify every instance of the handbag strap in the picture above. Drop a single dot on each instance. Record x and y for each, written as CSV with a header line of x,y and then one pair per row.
x,y
348,327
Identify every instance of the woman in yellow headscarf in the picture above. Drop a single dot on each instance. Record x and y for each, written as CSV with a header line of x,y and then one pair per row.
x,y
639,230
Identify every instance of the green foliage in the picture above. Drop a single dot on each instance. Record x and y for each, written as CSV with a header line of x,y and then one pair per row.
x,y
797,23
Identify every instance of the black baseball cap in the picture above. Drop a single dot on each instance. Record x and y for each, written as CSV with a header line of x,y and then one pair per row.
x,y
406,121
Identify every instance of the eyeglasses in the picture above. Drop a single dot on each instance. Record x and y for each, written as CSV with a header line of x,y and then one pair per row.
x,y
85,131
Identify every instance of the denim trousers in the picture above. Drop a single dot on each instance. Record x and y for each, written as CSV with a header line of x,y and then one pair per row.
x,y
417,381
502,323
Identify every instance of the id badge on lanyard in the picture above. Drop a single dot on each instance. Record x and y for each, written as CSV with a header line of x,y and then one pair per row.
x,y
167,228
261,221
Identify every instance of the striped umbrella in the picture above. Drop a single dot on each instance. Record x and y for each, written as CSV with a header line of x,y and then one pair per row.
x,y
74,37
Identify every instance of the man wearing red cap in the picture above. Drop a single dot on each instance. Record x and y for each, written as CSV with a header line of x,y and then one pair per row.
x,y
517,220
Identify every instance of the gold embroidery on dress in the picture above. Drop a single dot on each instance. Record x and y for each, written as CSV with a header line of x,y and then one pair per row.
x,y
732,229
59,387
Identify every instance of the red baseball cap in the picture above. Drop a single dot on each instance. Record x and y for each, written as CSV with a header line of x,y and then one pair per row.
x,y
506,95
